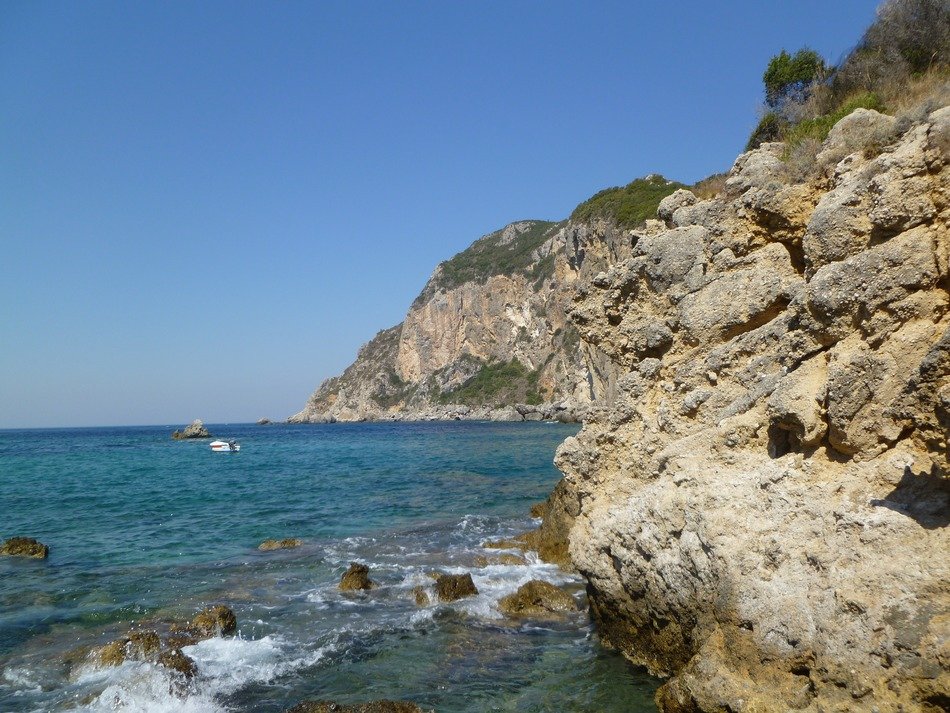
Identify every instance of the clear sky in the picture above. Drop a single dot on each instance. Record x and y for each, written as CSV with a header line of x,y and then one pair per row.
x,y
206,208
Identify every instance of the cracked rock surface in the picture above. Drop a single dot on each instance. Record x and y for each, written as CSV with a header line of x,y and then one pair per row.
x,y
762,509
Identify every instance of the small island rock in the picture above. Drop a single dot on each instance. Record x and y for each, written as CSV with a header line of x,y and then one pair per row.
x,y
24,547
450,587
195,430
356,578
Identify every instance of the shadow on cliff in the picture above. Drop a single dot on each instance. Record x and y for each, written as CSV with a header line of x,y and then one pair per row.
x,y
924,497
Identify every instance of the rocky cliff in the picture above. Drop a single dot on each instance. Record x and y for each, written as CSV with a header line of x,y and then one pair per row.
x,y
489,337
762,509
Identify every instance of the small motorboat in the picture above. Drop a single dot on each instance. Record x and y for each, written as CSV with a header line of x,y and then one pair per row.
x,y
225,446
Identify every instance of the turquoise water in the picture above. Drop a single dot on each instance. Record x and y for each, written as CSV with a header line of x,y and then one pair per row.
x,y
144,531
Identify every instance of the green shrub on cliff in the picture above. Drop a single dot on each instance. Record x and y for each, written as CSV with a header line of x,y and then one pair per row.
x,y
900,65
497,383
493,255
627,206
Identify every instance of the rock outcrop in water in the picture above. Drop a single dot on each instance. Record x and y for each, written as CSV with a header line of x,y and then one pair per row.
x,y
288,543
537,600
24,547
762,510
382,706
196,429
450,587
356,578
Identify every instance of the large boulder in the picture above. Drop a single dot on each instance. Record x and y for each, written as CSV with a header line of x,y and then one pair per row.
x,y
194,430
356,578
537,599
24,547
450,587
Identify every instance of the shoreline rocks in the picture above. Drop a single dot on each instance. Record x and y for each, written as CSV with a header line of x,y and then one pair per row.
x,y
537,600
24,547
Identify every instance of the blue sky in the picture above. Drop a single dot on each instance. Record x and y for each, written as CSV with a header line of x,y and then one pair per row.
x,y
206,208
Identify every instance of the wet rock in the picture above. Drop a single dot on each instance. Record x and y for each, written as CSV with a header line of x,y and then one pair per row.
x,y
356,578
263,421
285,544
136,646
382,706
537,599
218,620
505,558
195,430
421,596
24,547
450,587
175,660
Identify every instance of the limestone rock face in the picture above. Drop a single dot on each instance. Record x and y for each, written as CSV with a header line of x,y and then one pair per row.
x,y
196,429
24,547
761,508
496,312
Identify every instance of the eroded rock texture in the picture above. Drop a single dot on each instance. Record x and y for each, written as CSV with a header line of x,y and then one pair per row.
x,y
763,509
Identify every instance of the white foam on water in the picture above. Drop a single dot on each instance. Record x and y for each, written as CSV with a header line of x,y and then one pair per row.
x,y
21,680
224,665
145,688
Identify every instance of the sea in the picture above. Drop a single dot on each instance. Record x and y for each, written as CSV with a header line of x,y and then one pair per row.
x,y
144,531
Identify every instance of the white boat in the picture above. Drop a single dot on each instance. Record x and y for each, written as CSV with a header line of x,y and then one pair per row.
x,y
225,446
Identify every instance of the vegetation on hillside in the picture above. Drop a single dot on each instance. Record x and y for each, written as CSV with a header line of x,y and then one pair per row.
x,y
496,384
493,255
627,206
902,63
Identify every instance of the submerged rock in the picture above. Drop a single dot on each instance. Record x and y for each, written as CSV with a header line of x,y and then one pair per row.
x,y
537,599
505,558
450,587
382,706
356,578
24,547
285,544
195,430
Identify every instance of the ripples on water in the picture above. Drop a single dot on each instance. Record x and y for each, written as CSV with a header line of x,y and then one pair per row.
x,y
144,530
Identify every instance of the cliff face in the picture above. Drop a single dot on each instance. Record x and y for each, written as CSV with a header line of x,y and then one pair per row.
x,y
489,331
762,510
